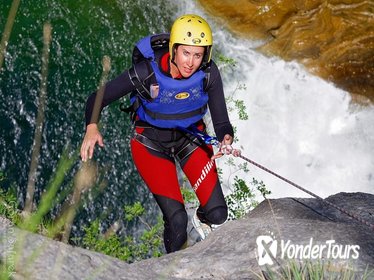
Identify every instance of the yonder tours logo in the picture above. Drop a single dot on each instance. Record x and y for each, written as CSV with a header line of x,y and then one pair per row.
x,y
269,249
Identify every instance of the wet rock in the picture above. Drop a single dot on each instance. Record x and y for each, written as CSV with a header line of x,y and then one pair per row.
x,y
230,252
333,39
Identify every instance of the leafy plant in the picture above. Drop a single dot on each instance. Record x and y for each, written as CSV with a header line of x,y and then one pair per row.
x,y
239,104
127,248
313,271
189,197
261,187
241,200
133,211
225,61
8,206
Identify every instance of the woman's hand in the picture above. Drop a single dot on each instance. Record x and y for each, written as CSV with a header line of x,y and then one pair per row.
x,y
224,147
90,139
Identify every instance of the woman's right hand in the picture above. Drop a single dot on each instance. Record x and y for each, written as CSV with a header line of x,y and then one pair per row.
x,y
90,139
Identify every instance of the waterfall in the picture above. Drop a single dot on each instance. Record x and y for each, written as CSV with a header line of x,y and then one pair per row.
x,y
299,125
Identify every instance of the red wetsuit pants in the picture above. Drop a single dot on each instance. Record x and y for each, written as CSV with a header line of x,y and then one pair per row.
x,y
155,153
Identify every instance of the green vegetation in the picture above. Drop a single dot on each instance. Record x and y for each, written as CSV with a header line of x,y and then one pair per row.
x,y
128,249
225,61
243,198
8,206
315,270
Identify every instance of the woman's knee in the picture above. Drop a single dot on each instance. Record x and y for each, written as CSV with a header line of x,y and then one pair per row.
x,y
175,234
178,220
217,215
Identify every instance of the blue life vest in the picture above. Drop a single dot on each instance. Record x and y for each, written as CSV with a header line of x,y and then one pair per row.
x,y
175,103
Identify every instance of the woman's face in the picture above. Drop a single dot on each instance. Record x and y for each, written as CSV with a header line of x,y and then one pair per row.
x,y
188,59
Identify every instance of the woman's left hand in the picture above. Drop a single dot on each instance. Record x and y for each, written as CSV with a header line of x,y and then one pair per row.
x,y
224,147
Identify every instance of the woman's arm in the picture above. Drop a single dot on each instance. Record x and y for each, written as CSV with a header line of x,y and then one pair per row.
x,y
113,90
217,105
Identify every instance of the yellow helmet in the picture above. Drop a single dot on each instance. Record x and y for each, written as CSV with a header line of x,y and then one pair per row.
x,y
191,30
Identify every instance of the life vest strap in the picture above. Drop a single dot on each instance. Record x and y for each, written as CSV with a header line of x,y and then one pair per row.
x,y
181,116
140,88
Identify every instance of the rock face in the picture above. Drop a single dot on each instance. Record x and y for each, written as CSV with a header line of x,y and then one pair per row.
x,y
230,252
334,39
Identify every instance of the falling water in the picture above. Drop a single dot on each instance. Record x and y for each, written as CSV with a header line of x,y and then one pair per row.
x,y
299,125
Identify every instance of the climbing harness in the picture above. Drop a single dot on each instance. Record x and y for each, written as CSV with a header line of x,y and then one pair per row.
x,y
193,130
228,149
179,155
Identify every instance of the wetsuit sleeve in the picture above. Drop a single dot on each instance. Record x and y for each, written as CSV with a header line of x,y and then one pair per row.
x,y
114,90
217,104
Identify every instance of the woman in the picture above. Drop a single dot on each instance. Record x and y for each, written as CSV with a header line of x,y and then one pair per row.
x,y
171,89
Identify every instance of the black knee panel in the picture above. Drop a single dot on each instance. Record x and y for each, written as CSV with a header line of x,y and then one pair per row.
x,y
217,215
215,210
175,233
178,221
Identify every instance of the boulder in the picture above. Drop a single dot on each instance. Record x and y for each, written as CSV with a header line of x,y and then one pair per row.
x,y
276,233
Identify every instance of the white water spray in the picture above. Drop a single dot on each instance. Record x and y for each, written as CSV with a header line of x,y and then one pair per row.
x,y
299,125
